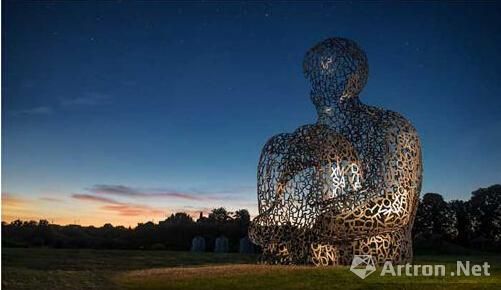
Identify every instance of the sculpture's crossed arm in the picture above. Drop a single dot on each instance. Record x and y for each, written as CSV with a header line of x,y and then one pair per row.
x,y
292,178
394,206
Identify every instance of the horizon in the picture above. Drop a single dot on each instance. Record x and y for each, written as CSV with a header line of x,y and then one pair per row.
x,y
127,112
193,214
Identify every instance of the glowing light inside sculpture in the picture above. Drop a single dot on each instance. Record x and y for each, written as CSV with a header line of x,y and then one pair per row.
x,y
348,184
345,177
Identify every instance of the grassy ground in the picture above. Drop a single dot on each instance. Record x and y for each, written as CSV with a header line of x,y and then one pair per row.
x,y
89,269
93,269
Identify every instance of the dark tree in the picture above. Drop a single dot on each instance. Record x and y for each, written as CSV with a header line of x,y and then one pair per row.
x,y
497,226
435,217
179,218
219,215
465,224
242,216
486,211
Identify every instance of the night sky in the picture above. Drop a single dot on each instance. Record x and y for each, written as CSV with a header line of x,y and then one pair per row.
x,y
124,112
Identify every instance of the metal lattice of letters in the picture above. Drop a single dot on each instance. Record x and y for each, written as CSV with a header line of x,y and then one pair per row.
x,y
348,184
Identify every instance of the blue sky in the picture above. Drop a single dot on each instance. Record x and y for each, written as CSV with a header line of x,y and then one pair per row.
x,y
166,105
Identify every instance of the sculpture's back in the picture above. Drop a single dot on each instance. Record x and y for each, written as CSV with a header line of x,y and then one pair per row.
x,y
346,185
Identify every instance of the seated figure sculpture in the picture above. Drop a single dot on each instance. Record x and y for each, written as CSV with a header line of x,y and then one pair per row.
x,y
348,184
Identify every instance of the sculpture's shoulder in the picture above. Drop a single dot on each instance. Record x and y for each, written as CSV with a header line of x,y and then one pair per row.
x,y
277,144
391,122
280,143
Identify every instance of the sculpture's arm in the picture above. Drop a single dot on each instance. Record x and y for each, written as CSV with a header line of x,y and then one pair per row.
x,y
280,208
270,168
279,163
395,205
270,172
285,158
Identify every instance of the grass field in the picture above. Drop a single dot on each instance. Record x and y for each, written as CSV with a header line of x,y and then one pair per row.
x,y
96,269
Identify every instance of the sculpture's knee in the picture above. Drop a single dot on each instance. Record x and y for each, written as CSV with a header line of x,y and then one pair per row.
x,y
324,254
393,246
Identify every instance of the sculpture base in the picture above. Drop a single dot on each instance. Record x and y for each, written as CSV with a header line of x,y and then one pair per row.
x,y
395,247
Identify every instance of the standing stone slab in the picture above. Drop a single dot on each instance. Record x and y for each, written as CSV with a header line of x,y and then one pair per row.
x,y
198,244
221,245
246,246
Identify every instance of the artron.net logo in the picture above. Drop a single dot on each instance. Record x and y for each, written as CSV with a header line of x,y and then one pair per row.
x,y
364,265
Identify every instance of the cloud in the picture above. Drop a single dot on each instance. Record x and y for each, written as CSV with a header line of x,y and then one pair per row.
x,y
10,200
41,110
122,190
89,197
50,199
121,208
88,99
114,189
109,195
187,196
15,207
133,210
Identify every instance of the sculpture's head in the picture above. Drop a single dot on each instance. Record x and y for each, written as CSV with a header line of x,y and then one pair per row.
x,y
337,69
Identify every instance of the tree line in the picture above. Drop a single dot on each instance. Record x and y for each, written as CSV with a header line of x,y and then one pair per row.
x,y
457,225
441,226
174,233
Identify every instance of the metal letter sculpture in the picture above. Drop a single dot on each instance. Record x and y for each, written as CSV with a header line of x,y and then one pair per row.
x,y
346,185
